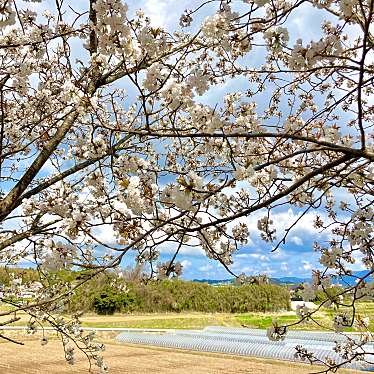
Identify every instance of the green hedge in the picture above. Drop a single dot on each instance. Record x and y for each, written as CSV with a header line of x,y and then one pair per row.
x,y
178,296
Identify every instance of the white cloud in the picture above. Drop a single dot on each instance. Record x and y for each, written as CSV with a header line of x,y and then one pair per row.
x,y
283,220
279,254
296,240
256,256
284,266
259,256
306,266
206,267
169,248
358,264
242,255
163,13
186,264
268,271
156,10
247,269
105,234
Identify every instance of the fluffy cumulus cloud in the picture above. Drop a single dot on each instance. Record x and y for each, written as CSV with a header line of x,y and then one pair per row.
x,y
206,268
260,257
164,13
157,11
194,251
306,265
186,264
296,240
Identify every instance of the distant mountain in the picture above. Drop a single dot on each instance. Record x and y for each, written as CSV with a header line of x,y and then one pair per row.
x,y
350,280
282,280
290,280
345,280
214,281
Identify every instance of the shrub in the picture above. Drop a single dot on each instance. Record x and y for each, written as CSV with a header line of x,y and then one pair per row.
x,y
109,301
330,293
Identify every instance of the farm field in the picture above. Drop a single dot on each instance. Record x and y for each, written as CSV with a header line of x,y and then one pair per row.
x,y
197,320
201,320
35,359
124,358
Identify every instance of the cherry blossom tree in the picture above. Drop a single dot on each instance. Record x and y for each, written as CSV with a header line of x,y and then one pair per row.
x,y
105,126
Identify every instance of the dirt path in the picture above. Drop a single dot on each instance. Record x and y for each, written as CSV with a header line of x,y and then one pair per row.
x,y
153,316
156,316
125,359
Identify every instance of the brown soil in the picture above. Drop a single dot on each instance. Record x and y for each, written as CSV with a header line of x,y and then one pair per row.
x,y
32,358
